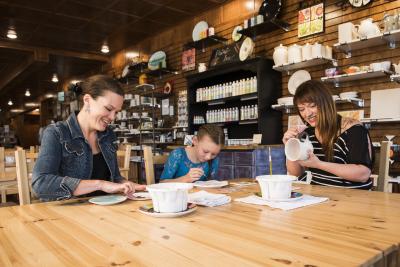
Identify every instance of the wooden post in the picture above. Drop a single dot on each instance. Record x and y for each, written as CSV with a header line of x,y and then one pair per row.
x,y
22,178
383,177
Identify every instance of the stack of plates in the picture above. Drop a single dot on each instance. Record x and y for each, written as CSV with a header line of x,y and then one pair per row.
x,y
348,95
285,100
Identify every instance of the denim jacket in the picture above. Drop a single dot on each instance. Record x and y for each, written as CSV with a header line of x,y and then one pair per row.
x,y
65,158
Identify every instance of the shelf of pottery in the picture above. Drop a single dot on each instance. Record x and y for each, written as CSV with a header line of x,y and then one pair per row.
x,y
181,126
365,35
297,56
137,120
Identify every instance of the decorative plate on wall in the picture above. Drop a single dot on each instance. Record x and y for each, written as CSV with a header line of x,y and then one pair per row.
x,y
198,29
235,35
158,60
246,49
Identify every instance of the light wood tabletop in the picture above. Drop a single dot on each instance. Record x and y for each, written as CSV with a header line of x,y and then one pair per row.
x,y
353,228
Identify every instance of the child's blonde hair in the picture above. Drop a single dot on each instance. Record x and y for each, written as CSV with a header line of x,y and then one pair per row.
x,y
214,132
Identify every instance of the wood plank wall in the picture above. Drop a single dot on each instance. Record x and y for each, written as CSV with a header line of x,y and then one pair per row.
x,y
232,13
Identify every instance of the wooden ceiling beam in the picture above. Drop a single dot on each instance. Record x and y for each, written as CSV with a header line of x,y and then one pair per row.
x,y
56,52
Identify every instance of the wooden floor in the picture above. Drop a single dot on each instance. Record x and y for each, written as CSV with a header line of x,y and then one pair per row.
x,y
354,228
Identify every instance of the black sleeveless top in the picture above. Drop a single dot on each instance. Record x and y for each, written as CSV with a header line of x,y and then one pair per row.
x,y
100,171
351,147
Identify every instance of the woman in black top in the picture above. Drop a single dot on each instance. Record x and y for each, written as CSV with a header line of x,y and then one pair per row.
x,y
342,155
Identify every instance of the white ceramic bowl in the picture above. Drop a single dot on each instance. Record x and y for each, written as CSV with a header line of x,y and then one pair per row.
x,y
275,186
169,197
386,65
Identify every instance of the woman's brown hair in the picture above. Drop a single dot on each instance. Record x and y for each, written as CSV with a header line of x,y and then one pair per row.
x,y
213,131
97,85
328,124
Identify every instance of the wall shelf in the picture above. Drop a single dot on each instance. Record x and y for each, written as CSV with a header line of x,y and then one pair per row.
x,y
395,78
206,42
265,27
337,79
160,72
290,108
389,38
305,64
222,101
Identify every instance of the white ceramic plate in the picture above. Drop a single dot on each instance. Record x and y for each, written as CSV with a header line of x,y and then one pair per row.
x,y
210,184
296,79
157,58
108,200
198,28
246,49
168,214
235,35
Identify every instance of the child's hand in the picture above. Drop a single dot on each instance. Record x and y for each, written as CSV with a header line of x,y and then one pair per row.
x,y
194,174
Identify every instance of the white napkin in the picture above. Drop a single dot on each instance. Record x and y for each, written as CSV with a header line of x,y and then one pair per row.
x,y
283,205
208,199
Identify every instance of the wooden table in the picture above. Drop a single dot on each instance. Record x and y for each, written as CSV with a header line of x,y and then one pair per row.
x,y
354,228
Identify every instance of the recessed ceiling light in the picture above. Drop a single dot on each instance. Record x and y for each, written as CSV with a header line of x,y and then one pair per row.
x,y
31,104
10,103
54,79
11,33
27,93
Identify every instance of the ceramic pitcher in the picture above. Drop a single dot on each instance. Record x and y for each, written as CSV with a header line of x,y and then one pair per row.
x,y
368,28
280,55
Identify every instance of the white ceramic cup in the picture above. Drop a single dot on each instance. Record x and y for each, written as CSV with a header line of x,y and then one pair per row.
x,y
169,197
274,187
297,150
386,65
306,51
347,32
317,50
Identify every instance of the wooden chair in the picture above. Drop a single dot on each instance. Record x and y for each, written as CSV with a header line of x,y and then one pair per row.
x,y
149,161
24,163
8,175
124,157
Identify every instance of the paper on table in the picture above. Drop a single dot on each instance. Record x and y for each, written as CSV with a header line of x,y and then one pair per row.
x,y
306,200
208,199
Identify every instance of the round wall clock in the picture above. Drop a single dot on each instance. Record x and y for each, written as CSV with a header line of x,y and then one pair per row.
x,y
359,3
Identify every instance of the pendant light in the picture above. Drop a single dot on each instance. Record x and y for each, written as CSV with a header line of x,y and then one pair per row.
x,y
11,33
10,103
27,92
104,48
54,79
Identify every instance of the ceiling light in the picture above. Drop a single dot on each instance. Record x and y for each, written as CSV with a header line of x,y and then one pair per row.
x,y
10,103
31,104
54,79
27,93
36,110
11,33
104,48
131,54
49,96
75,81
16,110
250,5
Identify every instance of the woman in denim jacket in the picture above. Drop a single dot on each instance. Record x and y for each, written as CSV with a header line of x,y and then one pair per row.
x,y
78,156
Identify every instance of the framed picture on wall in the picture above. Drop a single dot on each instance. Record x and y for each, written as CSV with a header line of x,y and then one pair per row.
x,y
189,59
311,20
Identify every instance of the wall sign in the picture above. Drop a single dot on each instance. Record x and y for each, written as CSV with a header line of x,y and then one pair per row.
x,y
311,20
225,54
189,59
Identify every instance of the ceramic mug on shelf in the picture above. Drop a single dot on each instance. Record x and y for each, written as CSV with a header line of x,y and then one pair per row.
x,y
294,53
347,32
202,67
306,52
317,50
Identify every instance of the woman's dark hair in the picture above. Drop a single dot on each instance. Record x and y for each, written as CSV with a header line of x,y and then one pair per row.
x,y
97,85
329,123
213,131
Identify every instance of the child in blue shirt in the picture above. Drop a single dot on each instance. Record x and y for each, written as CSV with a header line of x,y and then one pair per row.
x,y
198,162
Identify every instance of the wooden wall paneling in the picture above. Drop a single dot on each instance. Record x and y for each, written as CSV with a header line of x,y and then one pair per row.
x,y
232,13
